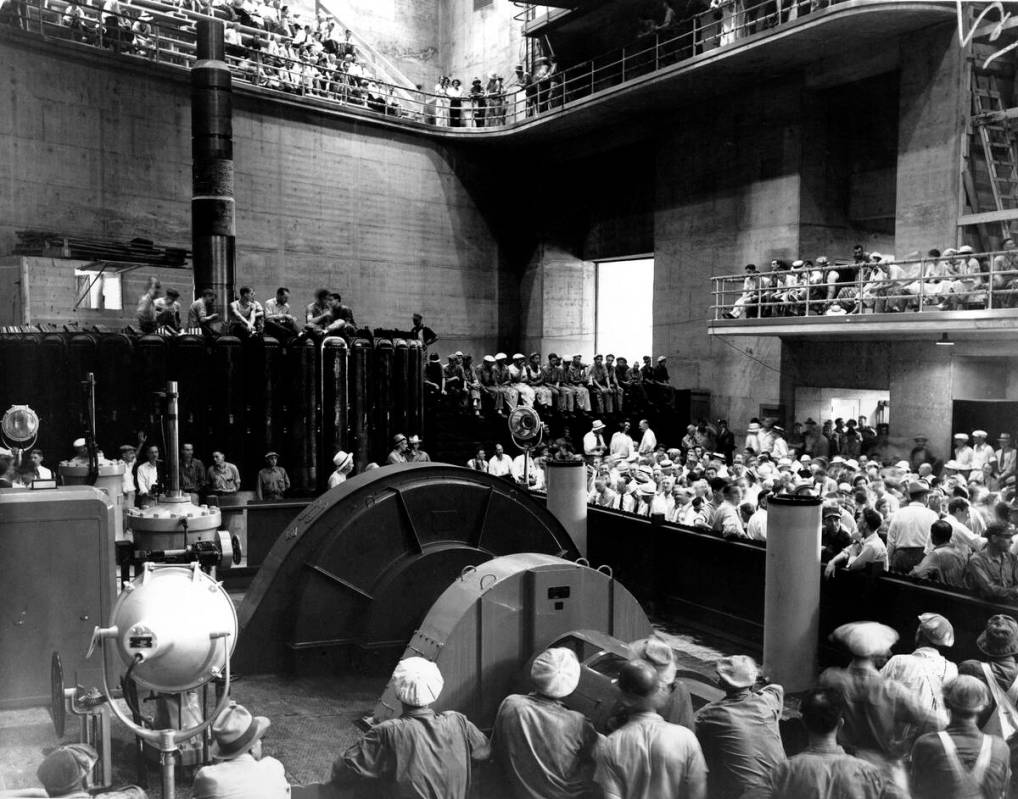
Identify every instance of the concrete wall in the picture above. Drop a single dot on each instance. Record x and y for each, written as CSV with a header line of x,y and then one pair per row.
x,y
475,43
385,218
406,32
557,294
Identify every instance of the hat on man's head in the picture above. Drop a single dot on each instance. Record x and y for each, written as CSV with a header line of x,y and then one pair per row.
x,y
966,694
458,354
519,356
500,356
753,428
936,629
78,442
661,358
978,433
961,436
738,671
1000,637
128,448
965,248
235,731
903,465
954,465
415,439
832,509
488,359
555,672
342,459
417,681
399,438
271,454
1004,437
852,464
657,653
63,769
917,487
865,639
598,425
647,490
837,459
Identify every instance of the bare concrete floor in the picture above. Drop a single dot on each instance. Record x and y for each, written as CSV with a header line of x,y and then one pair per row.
x,y
313,720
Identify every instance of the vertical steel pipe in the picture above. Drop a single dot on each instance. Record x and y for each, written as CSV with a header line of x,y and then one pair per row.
x,y
213,228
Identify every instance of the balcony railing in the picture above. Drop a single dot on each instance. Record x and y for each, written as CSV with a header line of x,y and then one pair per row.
x,y
272,61
952,282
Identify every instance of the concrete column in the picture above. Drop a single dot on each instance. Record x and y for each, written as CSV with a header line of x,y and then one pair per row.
x,y
567,498
792,591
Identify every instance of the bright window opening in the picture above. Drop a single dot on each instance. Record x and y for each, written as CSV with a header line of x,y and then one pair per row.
x,y
625,308
98,291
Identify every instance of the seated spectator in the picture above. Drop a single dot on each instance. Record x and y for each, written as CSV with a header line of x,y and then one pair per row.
x,y
336,320
543,748
944,563
824,769
246,314
727,521
434,376
479,463
961,760
739,733
647,756
421,753
279,319
520,381
926,671
866,549
500,464
167,310
318,307
240,769
147,311
66,770
993,571
416,454
200,314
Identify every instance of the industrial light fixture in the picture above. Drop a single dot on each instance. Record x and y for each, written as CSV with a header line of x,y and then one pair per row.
x,y
20,426
944,341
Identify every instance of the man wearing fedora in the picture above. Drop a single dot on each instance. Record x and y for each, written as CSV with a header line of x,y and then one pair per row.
x,y
240,771
594,443
926,671
343,461
961,760
399,450
543,748
739,732
416,454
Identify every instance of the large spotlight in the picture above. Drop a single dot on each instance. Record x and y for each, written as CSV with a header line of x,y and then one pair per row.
x,y
20,426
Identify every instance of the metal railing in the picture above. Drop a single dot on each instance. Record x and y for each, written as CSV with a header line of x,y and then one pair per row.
x,y
271,60
952,282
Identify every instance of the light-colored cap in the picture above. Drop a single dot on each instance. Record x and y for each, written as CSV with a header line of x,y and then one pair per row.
x,y
598,425
738,671
937,629
78,442
555,672
865,638
902,465
417,682
852,463
500,356
961,436
342,459
976,433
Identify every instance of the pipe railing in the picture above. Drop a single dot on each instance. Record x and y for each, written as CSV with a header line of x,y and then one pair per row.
x,y
269,59
965,281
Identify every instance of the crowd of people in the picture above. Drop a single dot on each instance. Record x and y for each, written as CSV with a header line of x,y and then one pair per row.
x,y
955,279
884,727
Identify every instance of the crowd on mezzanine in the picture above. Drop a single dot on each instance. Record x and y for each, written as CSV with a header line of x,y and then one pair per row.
x,y
948,280
887,726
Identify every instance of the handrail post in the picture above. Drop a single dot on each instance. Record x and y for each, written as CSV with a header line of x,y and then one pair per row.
x,y
922,283
623,64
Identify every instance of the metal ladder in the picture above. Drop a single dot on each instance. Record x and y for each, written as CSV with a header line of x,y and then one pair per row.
x,y
998,143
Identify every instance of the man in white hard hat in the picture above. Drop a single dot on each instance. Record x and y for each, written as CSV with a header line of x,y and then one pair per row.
x,y
545,749
421,753
240,769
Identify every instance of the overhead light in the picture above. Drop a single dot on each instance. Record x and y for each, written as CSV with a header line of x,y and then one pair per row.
x,y
945,341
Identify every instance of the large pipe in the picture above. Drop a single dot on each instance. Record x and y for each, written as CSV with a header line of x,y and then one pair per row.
x,y
567,498
213,230
792,591
172,438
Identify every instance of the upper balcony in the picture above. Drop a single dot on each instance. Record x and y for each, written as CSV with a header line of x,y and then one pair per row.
x,y
955,297
719,51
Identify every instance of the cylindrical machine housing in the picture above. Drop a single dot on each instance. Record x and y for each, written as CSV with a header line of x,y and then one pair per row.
x,y
567,498
792,591
359,368
335,402
415,386
115,405
304,412
383,399
401,388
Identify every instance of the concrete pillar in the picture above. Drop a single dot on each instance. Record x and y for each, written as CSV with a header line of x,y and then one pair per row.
x,y
792,591
567,498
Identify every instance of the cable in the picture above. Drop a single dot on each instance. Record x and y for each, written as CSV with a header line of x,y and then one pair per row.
x,y
748,355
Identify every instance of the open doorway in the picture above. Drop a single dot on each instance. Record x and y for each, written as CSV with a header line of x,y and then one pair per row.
x,y
625,308
842,403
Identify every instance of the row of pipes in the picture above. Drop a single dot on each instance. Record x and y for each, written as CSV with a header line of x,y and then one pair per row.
x,y
306,400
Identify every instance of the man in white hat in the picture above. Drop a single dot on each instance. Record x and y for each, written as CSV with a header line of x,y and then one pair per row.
x,y
343,461
678,704
882,717
961,760
594,443
80,457
962,452
273,481
240,769
416,454
926,671
520,380
421,753
909,531
545,749
981,451
488,378
739,733
398,454
648,758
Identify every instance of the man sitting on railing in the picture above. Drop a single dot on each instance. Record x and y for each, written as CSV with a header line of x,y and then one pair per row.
x,y
750,283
